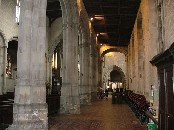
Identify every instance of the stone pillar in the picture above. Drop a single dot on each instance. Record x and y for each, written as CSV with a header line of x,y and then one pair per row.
x,y
85,91
30,108
2,65
92,73
70,99
49,72
97,72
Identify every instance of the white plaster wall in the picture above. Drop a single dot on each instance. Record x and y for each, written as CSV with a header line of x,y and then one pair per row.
x,y
7,18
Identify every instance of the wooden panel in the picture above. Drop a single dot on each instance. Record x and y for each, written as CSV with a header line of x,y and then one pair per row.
x,y
169,99
165,63
161,101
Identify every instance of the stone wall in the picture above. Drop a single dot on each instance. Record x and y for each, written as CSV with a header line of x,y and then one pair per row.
x,y
154,40
142,49
111,59
168,17
55,30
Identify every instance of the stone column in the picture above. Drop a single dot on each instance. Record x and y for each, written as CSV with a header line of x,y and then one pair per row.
x,y
4,69
92,73
70,99
2,65
97,72
49,71
85,91
30,108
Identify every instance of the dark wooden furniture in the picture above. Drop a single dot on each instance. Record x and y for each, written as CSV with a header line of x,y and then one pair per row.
x,y
6,108
165,66
138,104
53,102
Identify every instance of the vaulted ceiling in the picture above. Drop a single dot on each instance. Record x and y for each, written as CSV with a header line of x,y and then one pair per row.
x,y
113,20
53,10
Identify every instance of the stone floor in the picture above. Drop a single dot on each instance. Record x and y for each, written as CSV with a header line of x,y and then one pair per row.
x,y
101,115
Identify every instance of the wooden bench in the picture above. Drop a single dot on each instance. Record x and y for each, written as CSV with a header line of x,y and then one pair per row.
x,y
53,102
138,104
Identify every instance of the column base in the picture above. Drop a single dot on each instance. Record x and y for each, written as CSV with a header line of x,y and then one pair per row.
x,y
85,99
85,95
29,117
70,100
94,96
69,105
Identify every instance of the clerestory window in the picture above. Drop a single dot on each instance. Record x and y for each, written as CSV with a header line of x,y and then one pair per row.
x,y
17,11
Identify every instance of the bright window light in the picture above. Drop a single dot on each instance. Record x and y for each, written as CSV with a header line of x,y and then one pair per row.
x,y
17,11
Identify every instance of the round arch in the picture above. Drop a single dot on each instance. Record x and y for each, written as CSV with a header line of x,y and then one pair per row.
x,y
56,42
69,12
70,17
114,50
3,38
107,74
84,25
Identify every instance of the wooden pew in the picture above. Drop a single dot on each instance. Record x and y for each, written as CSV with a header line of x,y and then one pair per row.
x,y
6,107
53,102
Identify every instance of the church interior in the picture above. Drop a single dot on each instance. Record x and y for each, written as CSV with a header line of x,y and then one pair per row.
x,y
86,65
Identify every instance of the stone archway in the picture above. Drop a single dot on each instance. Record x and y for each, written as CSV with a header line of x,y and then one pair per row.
x,y
70,100
84,58
56,44
11,64
107,74
30,108
107,69
121,50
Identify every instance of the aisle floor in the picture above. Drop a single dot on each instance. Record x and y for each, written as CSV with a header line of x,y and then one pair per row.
x,y
101,115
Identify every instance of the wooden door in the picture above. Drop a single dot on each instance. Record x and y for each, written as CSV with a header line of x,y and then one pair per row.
x,y
162,106
166,98
165,65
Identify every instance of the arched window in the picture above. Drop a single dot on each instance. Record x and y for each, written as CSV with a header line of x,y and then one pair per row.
x,y
8,67
11,66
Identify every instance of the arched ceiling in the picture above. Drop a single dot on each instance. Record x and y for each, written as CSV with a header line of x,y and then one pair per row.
x,y
121,50
53,10
113,19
